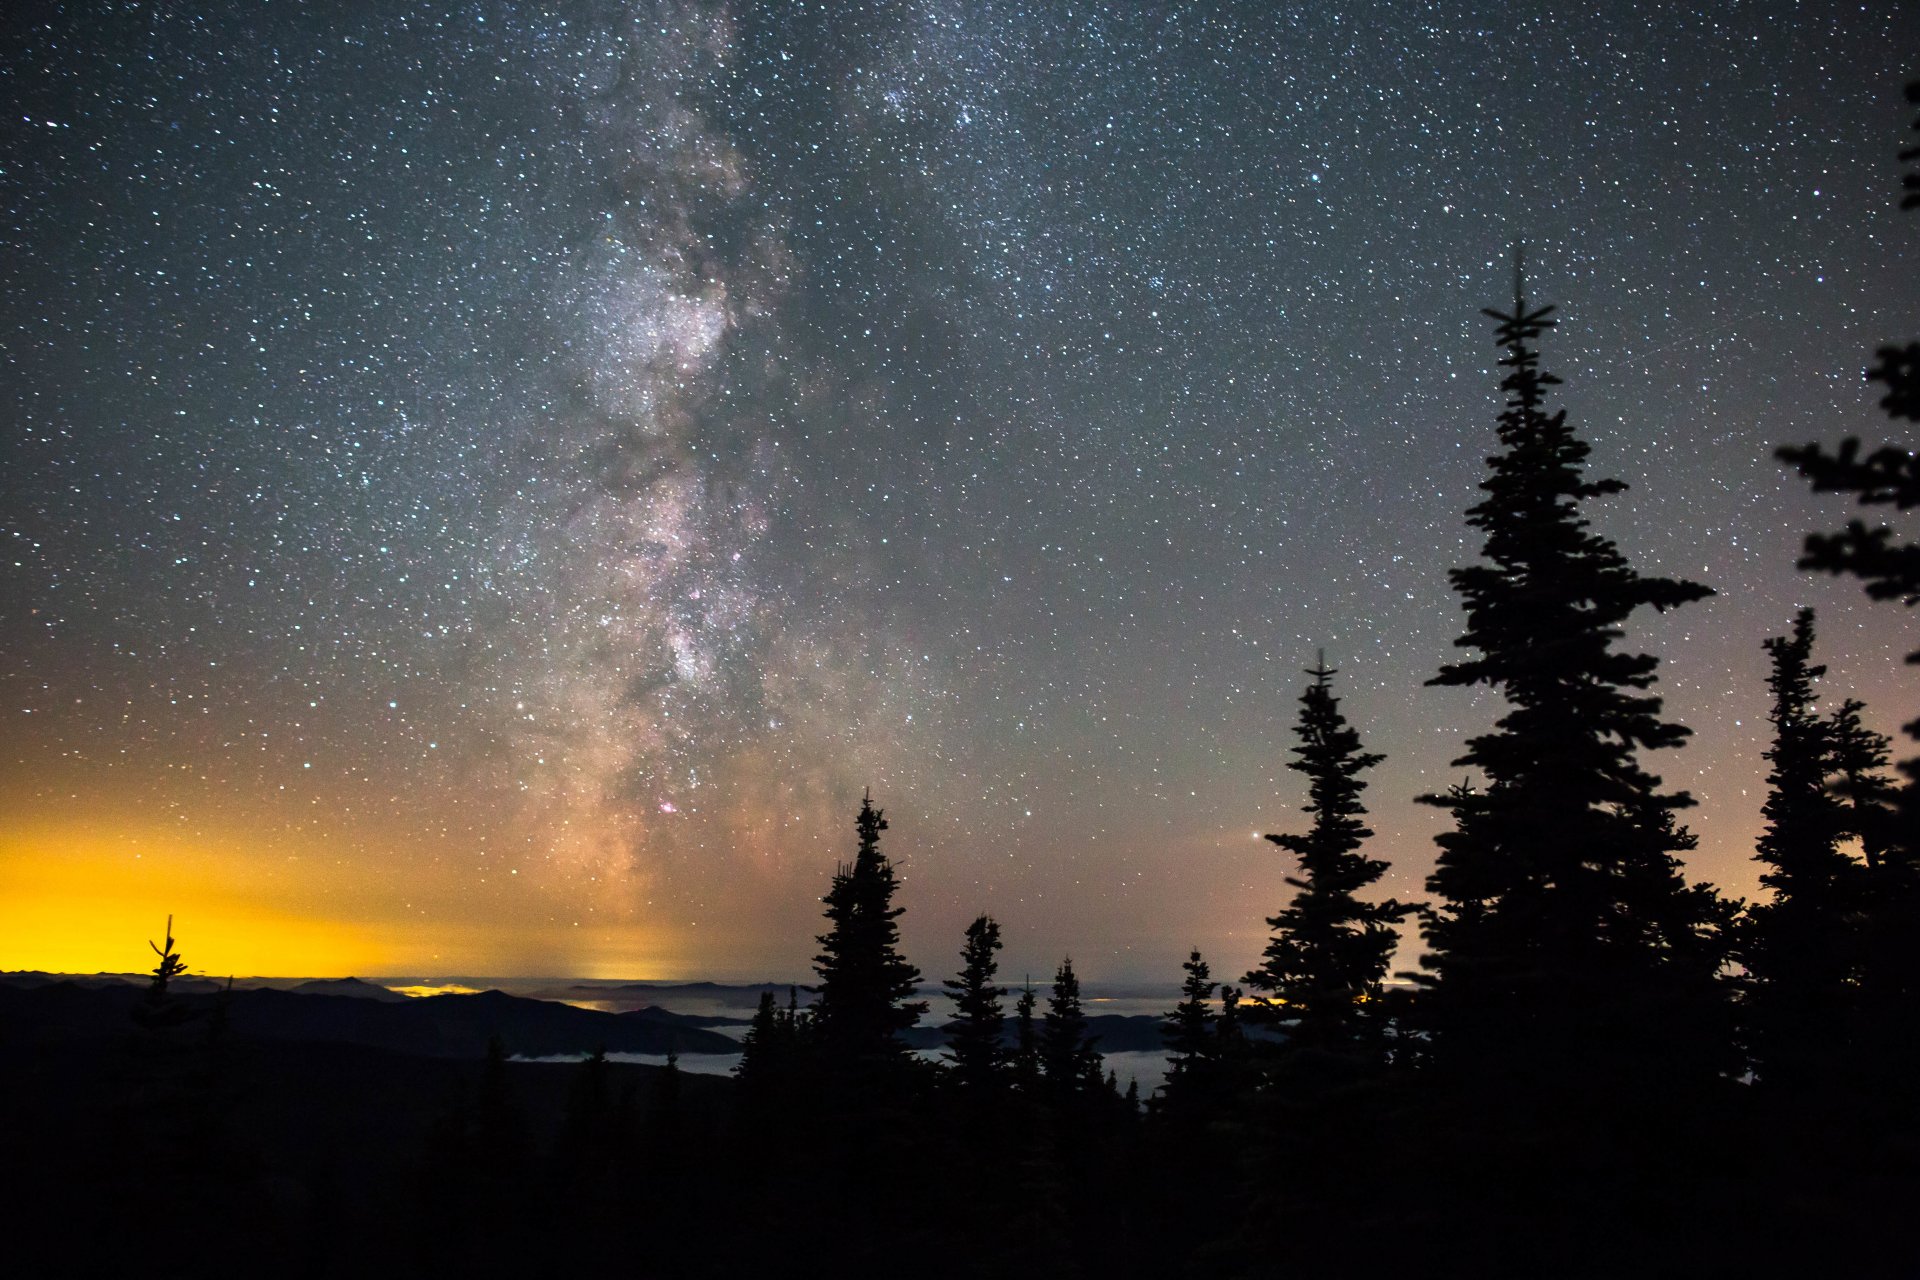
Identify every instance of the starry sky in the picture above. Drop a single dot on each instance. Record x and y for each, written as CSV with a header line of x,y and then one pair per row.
x,y
486,486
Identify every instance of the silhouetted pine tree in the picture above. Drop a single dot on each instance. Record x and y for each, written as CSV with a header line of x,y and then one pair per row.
x,y
1566,938
864,980
1889,570
1189,1028
1193,1044
1799,948
974,1047
1025,1059
1330,949
159,1009
1235,1061
1887,477
768,1052
1804,818
1865,793
1229,1030
1067,1055
756,1047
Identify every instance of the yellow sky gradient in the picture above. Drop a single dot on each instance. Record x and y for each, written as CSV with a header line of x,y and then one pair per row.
x,y
87,897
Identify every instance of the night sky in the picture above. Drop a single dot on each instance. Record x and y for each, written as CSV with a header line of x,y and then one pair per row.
x,y
484,490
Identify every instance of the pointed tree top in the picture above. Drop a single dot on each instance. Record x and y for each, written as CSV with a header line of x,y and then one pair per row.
x,y
870,823
1320,671
1521,326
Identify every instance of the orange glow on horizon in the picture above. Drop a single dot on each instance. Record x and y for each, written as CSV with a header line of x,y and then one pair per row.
x,y
87,898
82,901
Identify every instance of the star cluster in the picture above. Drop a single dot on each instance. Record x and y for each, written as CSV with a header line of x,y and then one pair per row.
x,y
501,480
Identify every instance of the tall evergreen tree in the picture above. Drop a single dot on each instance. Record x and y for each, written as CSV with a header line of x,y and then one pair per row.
x,y
1026,1042
1192,1038
767,1050
1228,1029
1800,949
1330,949
1067,1055
1864,792
1889,569
864,980
1188,1030
975,1048
1887,477
1804,818
1566,938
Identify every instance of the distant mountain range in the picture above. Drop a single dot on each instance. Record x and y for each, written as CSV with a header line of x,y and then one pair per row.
x,y
349,987
451,1026
354,1011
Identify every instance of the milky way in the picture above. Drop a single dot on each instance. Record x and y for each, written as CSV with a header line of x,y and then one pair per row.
x,y
524,471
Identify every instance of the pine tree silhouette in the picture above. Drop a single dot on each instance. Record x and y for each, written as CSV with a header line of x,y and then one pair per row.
x,y
1866,794
1798,948
1804,818
1888,570
974,1047
171,965
1189,1033
1025,1059
1330,950
1067,1055
864,980
160,1009
757,1050
1887,477
1566,938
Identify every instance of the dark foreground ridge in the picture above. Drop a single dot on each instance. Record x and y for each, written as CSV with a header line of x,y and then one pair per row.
x,y
449,1026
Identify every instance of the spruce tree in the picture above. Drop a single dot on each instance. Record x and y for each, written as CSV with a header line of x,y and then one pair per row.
x,y
766,1051
1026,1042
1565,938
1889,569
160,1009
1228,1030
1889,476
1860,784
1799,949
1067,1055
864,980
1330,949
1192,1039
974,1047
1189,1028
1804,818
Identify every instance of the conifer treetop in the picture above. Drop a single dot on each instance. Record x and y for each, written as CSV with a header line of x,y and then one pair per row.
x,y
864,980
1330,948
1563,918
